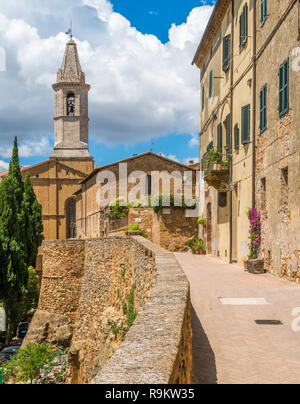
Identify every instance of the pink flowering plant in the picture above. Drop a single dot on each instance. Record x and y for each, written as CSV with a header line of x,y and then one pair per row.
x,y
254,233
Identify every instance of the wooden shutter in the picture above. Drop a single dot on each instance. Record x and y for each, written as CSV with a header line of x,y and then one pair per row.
x,y
284,88
244,26
246,124
226,52
228,132
220,139
236,137
210,146
210,83
263,11
203,97
263,109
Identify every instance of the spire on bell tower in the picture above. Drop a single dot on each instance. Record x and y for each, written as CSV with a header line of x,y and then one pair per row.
x,y
71,106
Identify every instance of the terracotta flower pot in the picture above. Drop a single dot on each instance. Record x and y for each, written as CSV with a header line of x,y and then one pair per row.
x,y
133,233
246,265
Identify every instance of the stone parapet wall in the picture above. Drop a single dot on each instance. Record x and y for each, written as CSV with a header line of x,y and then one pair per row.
x,y
63,269
88,288
170,228
158,347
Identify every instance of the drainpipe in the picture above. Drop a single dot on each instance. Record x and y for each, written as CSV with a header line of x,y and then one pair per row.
x,y
254,109
231,126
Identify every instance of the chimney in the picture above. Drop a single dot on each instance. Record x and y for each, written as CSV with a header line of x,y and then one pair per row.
x,y
191,162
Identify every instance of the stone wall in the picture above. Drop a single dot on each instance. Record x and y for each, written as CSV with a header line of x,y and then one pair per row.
x,y
85,304
158,347
169,228
278,147
63,270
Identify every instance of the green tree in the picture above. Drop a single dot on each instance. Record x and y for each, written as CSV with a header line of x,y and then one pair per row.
x,y
18,310
13,268
27,364
32,223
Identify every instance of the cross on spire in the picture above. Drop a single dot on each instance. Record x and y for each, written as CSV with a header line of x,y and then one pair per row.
x,y
70,31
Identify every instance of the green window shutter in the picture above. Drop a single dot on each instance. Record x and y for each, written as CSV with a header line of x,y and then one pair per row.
x,y
210,146
236,137
210,83
263,11
228,132
244,26
220,139
284,103
263,109
226,52
203,97
246,124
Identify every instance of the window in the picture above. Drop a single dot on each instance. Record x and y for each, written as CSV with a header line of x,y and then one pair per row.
x,y
203,96
226,52
246,124
222,199
284,88
285,176
244,26
263,11
71,218
220,139
236,137
71,105
263,109
149,185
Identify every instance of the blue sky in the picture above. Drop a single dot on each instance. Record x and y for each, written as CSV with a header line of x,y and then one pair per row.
x,y
137,57
156,16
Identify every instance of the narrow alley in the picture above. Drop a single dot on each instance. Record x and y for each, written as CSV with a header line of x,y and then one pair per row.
x,y
229,347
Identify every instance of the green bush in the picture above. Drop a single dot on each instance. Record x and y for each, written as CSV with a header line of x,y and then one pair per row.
x,y
133,227
201,221
160,202
27,364
118,209
130,311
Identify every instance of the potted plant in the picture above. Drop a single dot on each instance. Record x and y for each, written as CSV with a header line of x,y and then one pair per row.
x,y
254,264
202,221
197,246
133,230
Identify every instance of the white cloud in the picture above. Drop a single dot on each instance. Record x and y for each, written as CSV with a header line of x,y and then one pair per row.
x,y
29,149
192,30
190,159
141,88
3,166
194,141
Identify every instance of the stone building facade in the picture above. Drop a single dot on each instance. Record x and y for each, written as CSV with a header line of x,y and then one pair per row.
x,y
248,59
90,222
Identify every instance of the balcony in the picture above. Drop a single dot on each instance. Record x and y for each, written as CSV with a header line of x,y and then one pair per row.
x,y
215,166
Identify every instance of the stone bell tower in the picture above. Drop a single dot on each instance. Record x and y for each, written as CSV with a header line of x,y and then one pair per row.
x,y
71,121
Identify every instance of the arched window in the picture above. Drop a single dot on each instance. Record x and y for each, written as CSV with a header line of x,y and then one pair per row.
x,y
71,104
71,218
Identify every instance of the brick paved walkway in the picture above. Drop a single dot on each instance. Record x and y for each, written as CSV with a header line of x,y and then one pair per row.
x,y
228,346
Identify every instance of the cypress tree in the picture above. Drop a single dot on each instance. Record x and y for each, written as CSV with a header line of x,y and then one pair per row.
x,y
32,223
13,268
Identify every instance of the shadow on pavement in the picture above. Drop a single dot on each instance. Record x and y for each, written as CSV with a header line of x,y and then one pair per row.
x,y
205,371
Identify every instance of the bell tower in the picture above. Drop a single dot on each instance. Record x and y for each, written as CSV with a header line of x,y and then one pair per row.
x,y
71,121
